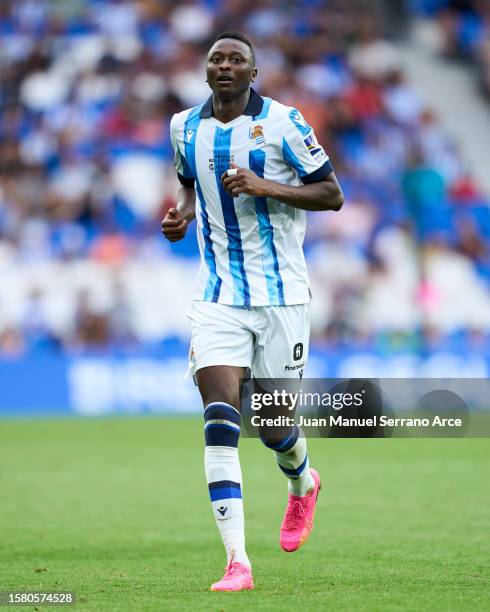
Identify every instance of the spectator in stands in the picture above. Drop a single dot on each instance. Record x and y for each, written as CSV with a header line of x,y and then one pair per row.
x,y
86,93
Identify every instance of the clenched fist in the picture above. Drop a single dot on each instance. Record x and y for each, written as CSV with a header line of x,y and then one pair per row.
x,y
174,226
245,181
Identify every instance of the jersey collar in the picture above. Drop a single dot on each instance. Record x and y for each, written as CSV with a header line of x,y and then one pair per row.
x,y
254,106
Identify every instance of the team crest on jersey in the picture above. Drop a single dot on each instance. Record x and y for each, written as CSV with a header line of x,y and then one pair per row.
x,y
256,133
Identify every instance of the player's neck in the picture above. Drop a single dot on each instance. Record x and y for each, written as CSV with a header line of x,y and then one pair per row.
x,y
227,110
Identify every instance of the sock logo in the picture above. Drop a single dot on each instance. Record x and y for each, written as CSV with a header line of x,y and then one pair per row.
x,y
222,510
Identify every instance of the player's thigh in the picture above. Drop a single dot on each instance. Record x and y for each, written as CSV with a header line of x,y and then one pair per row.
x,y
221,348
282,346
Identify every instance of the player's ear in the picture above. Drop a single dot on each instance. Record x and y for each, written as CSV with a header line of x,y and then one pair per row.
x,y
254,75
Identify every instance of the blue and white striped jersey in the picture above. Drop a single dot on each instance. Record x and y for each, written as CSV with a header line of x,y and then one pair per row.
x,y
251,248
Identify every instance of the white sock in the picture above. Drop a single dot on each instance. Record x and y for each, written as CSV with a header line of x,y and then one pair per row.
x,y
224,476
295,465
223,472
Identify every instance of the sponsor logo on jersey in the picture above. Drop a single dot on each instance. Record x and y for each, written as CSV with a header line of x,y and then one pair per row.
x,y
318,157
189,134
314,148
256,133
222,161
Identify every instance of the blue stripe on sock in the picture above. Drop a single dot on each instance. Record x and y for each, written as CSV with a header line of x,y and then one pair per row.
x,y
294,471
220,484
286,443
222,411
225,493
221,435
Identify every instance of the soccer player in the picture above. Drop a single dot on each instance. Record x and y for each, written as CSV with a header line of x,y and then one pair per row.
x,y
256,167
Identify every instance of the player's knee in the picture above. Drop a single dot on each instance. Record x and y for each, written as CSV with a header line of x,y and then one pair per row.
x,y
280,440
221,425
224,396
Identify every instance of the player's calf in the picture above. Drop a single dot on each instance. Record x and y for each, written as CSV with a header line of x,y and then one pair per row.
x,y
292,458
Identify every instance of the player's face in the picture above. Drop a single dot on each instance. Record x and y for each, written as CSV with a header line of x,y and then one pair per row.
x,y
230,68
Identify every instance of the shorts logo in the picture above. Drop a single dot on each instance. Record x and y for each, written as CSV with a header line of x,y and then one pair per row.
x,y
256,133
299,363
297,367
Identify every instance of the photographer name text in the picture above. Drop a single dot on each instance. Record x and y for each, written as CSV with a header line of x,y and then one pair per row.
x,y
341,421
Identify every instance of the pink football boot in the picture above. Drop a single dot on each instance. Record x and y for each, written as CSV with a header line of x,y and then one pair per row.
x,y
238,577
298,519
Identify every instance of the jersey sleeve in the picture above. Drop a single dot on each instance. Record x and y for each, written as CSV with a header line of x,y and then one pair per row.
x,y
184,172
300,149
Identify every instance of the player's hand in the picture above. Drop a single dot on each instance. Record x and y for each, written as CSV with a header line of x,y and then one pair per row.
x,y
245,181
174,226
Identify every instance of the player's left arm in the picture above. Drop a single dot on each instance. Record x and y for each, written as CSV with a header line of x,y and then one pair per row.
x,y
301,151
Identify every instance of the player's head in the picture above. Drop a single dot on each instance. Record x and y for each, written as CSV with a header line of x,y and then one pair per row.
x,y
230,65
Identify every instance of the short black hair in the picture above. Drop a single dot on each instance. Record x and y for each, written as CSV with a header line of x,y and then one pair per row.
x,y
237,36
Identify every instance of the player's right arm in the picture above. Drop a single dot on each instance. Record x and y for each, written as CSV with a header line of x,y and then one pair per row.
x,y
174,225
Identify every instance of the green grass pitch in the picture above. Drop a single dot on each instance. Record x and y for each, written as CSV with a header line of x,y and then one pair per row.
x,y
117,511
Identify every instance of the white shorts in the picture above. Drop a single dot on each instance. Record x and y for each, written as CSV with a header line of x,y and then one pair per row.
x,y
270,340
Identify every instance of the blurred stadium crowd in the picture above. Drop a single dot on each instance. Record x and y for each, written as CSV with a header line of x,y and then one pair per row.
x,y
86,173
464,32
